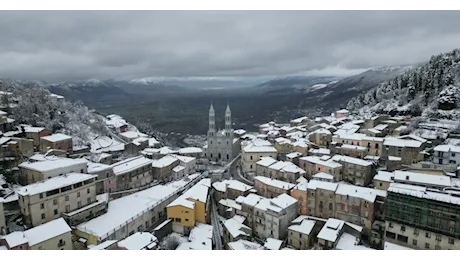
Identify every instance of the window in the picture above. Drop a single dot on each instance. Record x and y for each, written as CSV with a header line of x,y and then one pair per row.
x,y
67,208
41,195
451,241
427,246
416,232
390,224
42,206
55,202
380,184
403,228
437,247
438,237
186,220
78,194
89,200
414,242
66,198
55,212
87,191
43,215
300,235
427,234
251,157
79,204
177,220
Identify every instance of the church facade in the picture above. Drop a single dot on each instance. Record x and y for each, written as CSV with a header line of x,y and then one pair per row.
x,y
221,146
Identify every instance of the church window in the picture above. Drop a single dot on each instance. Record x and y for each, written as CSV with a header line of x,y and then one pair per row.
x,y
211,155
227,157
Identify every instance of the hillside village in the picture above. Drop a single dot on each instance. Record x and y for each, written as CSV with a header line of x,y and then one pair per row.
x,y
339,182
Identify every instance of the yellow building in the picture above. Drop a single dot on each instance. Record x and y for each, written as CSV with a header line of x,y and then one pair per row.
x,y
190,208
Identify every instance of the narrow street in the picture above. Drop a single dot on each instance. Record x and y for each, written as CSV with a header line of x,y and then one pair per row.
x,y
217,232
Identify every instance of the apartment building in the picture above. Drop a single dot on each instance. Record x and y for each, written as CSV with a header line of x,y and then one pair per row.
x,y
54,235
299,192
252,153
321,137
48,168
303,231
133,173
321,198
263,164
56,141
315,164
105,181
35,133
270,188
48,200
340,235
190,208
188,162
383,179
356,171
422,218
163,168
133,213
446,154
409,150
234,229
248,204
374,145
272,217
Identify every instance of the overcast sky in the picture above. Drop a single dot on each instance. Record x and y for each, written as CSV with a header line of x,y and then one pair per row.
x,y
84,45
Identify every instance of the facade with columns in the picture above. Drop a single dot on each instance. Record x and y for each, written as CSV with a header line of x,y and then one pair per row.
x,y
220,145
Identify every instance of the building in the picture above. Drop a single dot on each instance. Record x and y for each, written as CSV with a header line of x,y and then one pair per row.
x,y
248,204
190,208
322,176
299,192
54,235
283,145
263,164
200,238
230,189
273,244
191,152
321,198
446,154
314,164
421,218
244,245
139,241
35,133
270,188
189,163
48,168
105,181
285,171
130,136
220,143
252,153
356,171
383,179
234,229
342,113
272,217
332,232
293,157
409,150
45,201
133,173
321,137
133,213
56,141
303,231
163,168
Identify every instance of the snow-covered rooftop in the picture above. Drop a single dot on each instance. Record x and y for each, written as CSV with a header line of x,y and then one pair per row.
x,y
54,183
236,228
52,163
422,178
244,245
199,192
293,155
323,175
56,138
399,142
184,159
250,199
138,241
273,244
423,192
331,230
97,167
178,168
15,239
47,231
305,227
320,151
232,184
130,164
105,144
104,245
190,150
317,160
31,129
132,134
251,148
353,147
365,193
121,210
164,161
316,184
350,242
391,246
275,183
384,176
447,148
266,161
352,160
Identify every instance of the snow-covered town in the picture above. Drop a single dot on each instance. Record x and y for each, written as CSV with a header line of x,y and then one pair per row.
x,y
339,182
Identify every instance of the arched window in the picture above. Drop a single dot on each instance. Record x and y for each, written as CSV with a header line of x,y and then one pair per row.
x,y
227,157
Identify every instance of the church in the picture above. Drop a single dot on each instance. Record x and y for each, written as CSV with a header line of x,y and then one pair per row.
x,y
221,146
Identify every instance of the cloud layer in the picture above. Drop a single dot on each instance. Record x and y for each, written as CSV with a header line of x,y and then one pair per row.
x,y
71,45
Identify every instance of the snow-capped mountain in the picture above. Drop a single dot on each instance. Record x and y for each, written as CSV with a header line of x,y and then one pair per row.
x,y
431,89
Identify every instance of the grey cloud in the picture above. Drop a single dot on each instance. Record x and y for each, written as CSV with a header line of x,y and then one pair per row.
x,y
75,45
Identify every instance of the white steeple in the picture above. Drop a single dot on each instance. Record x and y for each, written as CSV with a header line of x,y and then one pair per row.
x,y
212,122
228,120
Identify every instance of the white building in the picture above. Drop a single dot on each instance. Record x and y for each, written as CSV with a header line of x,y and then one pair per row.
x,y
446,154
49,168
139,241
253,152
